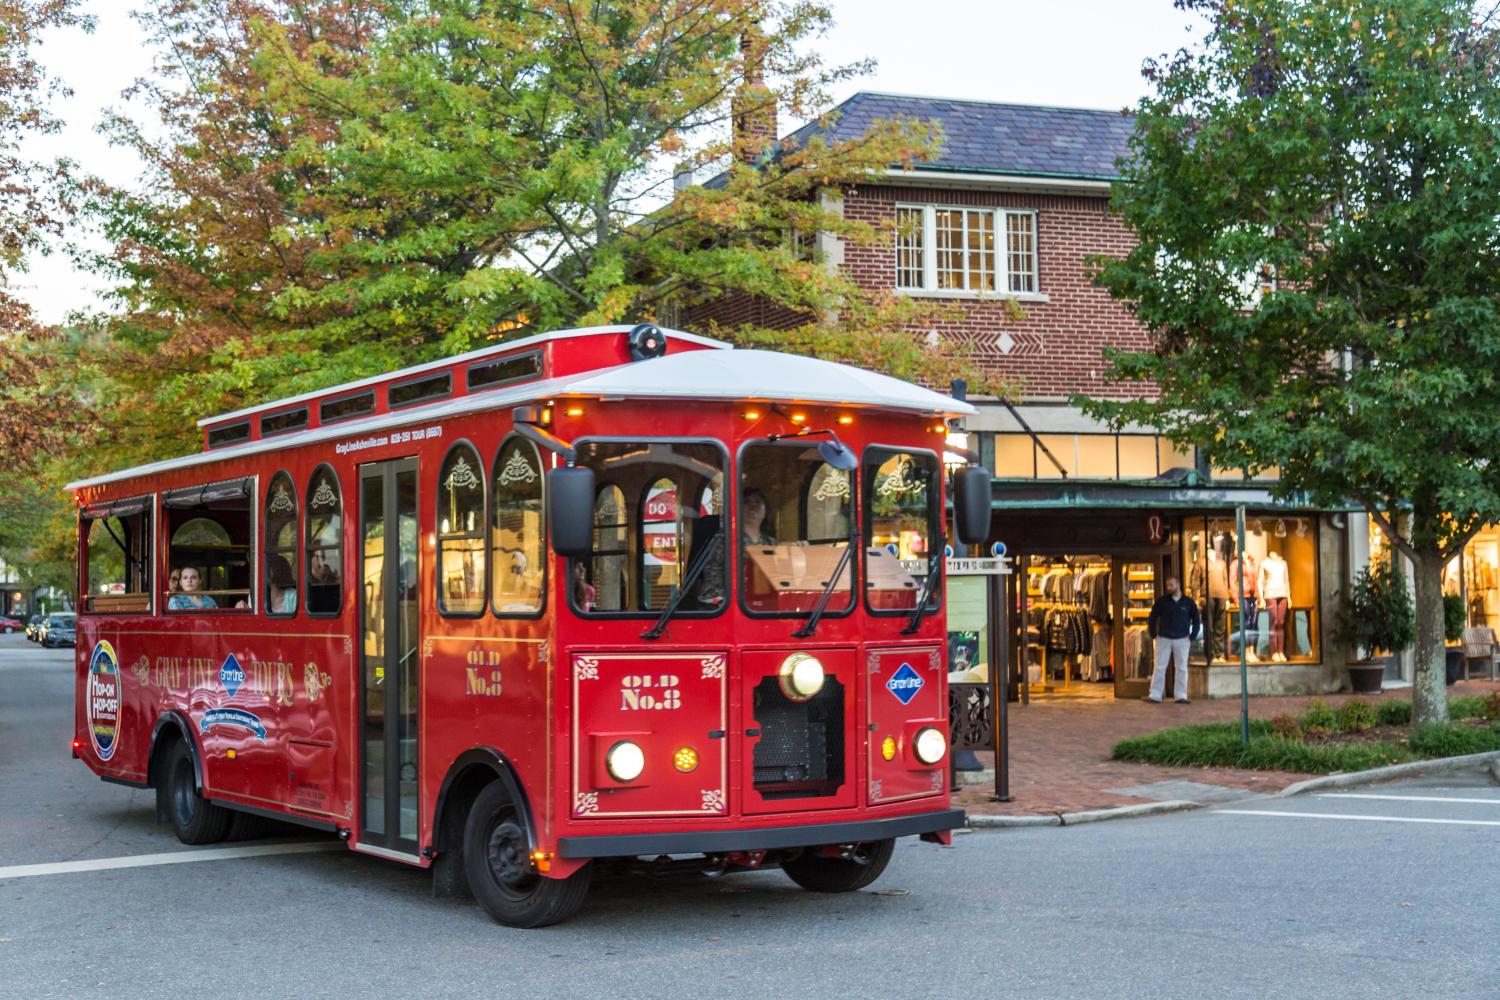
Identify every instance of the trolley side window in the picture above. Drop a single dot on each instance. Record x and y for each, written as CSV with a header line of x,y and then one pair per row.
x,y
117,556
460,523
902,528
517,533
208,530
796,519
657,525
280,548
325,544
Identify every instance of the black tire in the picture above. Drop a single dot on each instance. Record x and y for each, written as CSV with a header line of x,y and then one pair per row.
x,y
194,819
819,874
497,861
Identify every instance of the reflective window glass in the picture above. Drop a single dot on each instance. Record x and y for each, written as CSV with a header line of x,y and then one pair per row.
x,y
516,534
460,533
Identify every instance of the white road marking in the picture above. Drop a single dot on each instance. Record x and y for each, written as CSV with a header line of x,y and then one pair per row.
x,y
1366,819
1406,798
172,858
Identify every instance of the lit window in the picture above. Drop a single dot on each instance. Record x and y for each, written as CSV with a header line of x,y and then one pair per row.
x,y
965,252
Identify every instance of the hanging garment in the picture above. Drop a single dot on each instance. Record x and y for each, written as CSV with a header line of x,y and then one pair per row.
x,y
1252,576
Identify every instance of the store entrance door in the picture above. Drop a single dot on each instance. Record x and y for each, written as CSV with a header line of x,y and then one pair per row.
x,y
1137,581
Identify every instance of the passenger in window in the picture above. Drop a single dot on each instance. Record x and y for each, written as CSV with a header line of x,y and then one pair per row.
x,y
189,598
753,519
174,582
323,572
584,595
283,586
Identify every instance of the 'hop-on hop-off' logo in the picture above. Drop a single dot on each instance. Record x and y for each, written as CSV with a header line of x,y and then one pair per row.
x,y
905,683
103,698
231,675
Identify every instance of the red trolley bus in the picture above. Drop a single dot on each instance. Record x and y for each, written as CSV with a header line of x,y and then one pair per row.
x,y
594,596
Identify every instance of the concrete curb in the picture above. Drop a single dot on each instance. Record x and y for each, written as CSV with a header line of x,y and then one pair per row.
x,y
983,822
1374,776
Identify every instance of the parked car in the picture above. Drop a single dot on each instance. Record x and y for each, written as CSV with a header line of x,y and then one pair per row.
x,y
9,624
55,619
34,627
61,633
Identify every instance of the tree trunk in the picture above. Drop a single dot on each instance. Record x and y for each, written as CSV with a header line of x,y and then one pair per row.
x,y
1429,701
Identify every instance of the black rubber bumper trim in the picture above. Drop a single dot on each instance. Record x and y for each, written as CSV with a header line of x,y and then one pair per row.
x,y
764,838
127,782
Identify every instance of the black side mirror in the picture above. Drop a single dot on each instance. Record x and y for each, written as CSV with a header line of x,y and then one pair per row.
x,y
570,510
971,504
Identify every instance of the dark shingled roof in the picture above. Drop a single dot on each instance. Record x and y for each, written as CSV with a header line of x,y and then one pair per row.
x,y
981,137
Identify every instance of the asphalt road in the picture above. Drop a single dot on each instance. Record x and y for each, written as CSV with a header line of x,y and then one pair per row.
x,y
1224,903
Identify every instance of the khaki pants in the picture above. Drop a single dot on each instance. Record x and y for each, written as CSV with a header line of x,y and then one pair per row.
x,y
1167,651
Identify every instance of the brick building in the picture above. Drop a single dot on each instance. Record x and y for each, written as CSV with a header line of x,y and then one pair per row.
x,y
1003,223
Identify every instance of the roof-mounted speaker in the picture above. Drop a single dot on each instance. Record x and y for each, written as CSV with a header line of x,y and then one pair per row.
x,y
646,341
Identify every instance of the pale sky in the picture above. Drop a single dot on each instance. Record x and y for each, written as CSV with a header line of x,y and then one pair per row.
x,y
1077,53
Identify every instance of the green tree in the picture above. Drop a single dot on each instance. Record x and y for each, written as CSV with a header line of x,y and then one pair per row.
x,y
502,167
1315,193
340,187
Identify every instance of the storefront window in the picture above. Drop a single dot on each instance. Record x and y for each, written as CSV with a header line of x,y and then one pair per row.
x,y
1279,618
1085,456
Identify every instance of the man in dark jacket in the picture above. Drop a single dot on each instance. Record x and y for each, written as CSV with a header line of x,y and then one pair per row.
x,y
1174,624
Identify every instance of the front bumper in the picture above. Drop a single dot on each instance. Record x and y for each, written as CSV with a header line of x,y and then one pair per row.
x,y
758,838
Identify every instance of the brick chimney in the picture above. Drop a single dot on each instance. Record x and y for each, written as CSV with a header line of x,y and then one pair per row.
x,y
754,107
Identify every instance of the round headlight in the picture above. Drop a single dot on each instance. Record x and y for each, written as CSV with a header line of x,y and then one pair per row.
x,y
930,745
625,761
801,676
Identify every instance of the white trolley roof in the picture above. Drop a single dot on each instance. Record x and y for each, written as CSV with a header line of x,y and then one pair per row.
x,y
751,375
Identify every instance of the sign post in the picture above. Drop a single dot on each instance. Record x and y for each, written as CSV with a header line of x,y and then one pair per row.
x,y
998,568
1239,527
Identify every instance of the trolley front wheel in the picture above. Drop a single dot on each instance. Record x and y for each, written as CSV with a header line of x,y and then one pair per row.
x,y
818,873
194,819
497,861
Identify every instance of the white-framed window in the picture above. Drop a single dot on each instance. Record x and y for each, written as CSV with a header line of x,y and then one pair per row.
x,y
950,249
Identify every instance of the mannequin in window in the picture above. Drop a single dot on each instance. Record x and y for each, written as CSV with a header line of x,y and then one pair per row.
x,y
1219,594
1275,591
1250,608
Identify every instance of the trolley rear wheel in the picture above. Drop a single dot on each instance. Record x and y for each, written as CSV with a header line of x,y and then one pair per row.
x,y
822,874
497,861
194,819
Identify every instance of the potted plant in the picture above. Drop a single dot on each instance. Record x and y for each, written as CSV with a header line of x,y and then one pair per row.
x,y
1453,633
1376,620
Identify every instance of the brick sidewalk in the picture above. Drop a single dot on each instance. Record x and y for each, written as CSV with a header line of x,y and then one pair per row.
x,y
1060,750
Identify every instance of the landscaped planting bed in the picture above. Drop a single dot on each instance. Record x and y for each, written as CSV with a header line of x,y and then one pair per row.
x,y
1356,736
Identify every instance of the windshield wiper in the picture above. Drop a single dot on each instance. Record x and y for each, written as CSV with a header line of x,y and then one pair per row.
x,y
926,595
690,578
833,581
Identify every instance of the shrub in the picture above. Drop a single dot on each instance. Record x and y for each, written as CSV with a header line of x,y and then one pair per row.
x,y
1476,706
1468,707
1393,713
1454,617
1355,716
1319,718
1447,739
1376,613
1286,726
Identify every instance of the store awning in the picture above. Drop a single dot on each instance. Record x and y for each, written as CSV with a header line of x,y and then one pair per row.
x,y
1031,494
